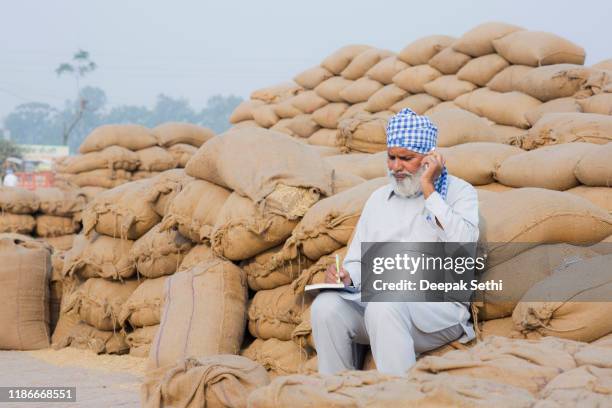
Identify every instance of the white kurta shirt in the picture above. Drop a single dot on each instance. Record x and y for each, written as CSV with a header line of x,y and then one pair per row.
x,y
387,217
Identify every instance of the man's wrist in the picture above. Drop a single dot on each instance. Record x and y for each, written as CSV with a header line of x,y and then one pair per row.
x,y
428,189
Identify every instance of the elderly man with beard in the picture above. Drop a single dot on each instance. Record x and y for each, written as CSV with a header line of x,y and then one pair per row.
x,y
422,203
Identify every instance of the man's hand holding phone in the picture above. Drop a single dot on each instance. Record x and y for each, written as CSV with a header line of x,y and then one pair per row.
x,y
433,162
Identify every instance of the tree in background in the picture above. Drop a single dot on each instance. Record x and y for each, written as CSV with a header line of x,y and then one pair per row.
x,y
81,66
8,148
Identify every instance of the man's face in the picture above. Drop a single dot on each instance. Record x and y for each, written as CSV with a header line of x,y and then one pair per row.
x,y
401,161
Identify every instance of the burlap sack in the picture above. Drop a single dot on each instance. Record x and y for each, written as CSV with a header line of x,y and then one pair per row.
x,y
215,381
595,167
244,111
449,61
354,110
84,336
419,103
277,93
204,313
198,254
283,126
601,104
330,88
554,106
155,159
159,253
364,133
325,137
328,225
308,102
422,50
525,169
132,137
278,357
413,79
329,115
479,40
55,288
386,69
476,162
310,78
55,226
508,134
582,386
448,87
144,174
367,166
360,90
245,124
481,70
267,271
25,272
302,334
344,181
242,230
105,178
143,307
18,200
554,81
285,110
362,63
506,80
17,223
573,303
181,153
458,126
516,220
316,273
557,128
274,313
112,157
339,59
604,64
384,98
165,187
265,115
126,211
171,133
502,108
494,187
91,192
99,256
600,196
195,210
498,327
535,48
98,302
61,243
520,273
140,340
302,125
55,201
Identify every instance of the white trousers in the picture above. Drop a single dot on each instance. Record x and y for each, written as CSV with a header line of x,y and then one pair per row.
x,y
341,327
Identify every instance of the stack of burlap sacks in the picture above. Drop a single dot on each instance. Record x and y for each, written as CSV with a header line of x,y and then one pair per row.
x,y
112,155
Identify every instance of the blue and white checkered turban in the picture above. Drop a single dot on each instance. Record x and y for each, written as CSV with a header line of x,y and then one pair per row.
x,y
419,134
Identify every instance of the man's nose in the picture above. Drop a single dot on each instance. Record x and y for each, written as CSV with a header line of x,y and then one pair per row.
x,y
396,165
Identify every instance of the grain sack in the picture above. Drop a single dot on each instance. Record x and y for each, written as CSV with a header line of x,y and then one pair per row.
x,y
91,192
126,211
328,225
595,167
330,88
516,220
554,106
274,313
525,169
316,273
159,253
508,78
242,230
354,110
55,201
523,271
448,87
554,81
362,63
18,200
386,69
360,90
479,40
132,137
267,271
277,357
171,133
557,128
601,104
155,159
143,307
143,174
449,61
285,110
476,162
367,166
61,243
277,93
605,64
215,381
535,48
285,163
325,151
600,196
265,116
364,133
508,134
344,181
17,223
204,313
458,126
498,327
195,210
112,157
84,336
25,272
310,78
55,288
98,302
181,153
442,106
308,102
55,226
481,70
244,111
302,125
507,108
140,340
494,187
413,79
198,254
105,178
384,98
422,50
99,256
339,59
325,137
582,386
419,103
165,187
302,334
573,303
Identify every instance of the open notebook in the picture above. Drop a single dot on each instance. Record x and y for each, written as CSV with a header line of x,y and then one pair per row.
x,y
317,287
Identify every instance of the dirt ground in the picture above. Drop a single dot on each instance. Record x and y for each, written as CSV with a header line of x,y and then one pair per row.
x,y
101,381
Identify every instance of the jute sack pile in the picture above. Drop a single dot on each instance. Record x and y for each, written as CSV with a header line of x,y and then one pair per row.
x,y
367,166
279,357
572,303
364,133
140,340
481,70
143,307
478,41
155,159
204,313
172,133
554,81
132,137
413,79
55,201
25,272
535,48
111,157
341,58
600,196
198,254
595,168
55,226
311,77
506,79
55,288
585,385
448,61
17,223
601,103
83,336
17,200
458,126
302,334
181,153
386,69
165,187
277,93
215,381
560,105
267,271
99,256
419,103
104,178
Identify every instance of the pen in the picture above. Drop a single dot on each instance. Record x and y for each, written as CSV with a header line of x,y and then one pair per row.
x,y
338,268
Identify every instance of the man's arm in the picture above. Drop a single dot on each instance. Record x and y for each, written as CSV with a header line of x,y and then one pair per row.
x,y
459,217
352,260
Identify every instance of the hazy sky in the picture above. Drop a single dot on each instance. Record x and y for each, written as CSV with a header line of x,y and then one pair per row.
x,y
195,49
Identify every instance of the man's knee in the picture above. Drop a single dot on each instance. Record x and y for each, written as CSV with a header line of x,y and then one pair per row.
x,y
326,307
384,312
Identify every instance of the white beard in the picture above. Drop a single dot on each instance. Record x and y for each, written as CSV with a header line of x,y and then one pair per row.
x,y
410,186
